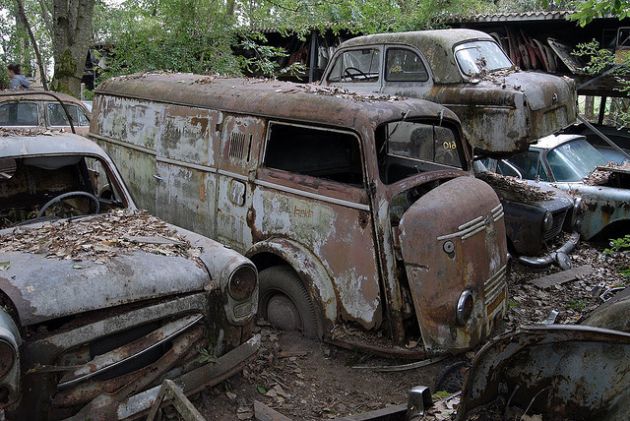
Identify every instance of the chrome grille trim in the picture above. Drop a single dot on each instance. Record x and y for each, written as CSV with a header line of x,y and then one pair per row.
x,y
493,286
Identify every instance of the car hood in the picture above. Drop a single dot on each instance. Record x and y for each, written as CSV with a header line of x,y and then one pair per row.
x,y
45,287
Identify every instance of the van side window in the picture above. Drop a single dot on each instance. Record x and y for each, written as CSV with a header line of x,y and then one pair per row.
x,y
404,66
357,66
315,152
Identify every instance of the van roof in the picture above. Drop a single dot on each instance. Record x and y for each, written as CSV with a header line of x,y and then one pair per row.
x,y
436,45
283,100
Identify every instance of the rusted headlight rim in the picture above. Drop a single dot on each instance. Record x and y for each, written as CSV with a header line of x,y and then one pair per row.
x,y
576,213
242,283
465,306
8,356
547,221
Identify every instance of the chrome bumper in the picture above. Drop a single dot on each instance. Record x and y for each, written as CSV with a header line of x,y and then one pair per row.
x,y
560,256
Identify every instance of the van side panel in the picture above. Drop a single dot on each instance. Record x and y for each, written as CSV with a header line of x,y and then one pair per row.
x,y
135,124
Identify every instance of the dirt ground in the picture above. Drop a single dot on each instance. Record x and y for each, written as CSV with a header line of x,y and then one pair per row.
x,y
306,380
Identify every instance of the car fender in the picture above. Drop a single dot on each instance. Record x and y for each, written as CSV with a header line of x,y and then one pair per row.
x,y
311,271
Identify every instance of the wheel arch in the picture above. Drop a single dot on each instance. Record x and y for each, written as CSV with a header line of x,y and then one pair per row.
x,y
312,273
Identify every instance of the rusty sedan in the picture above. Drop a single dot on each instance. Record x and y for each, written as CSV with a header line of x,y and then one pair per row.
x,y
502,108
101,302
44,110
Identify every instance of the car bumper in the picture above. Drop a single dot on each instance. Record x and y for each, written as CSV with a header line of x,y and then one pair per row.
x,y
107,407
559,256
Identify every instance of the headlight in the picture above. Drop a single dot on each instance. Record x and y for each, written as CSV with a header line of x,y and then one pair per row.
x,y
7,358
576,213
242,283
464,307
547,221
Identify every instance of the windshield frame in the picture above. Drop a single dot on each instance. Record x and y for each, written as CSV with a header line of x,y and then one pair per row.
x,y
113,175
574,169
462,46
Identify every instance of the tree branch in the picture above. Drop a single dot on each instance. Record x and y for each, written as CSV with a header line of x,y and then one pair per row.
x,y
24,20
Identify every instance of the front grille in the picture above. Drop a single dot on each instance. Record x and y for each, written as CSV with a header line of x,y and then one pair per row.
x,y
558,221
494,285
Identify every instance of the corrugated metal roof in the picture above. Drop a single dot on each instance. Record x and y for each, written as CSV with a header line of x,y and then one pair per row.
x,y
514,17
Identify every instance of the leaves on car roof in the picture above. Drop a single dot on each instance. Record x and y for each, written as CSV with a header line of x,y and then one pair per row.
x,y
100,238
511,188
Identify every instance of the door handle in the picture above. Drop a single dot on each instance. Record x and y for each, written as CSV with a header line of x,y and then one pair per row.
x,y
158,177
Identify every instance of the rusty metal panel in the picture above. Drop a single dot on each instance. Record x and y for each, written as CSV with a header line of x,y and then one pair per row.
x,y
332,230
187,196
449,250
559,371
241,140
187,134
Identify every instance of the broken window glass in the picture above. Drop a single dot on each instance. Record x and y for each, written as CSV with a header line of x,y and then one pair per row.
x,y
322,153
57,116
476,57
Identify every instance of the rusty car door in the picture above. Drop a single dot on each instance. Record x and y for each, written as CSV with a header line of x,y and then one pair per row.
x,y
406,72
311,189
186,171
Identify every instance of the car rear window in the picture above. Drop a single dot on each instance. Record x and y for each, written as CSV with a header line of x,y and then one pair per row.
x,y
475,57
18,114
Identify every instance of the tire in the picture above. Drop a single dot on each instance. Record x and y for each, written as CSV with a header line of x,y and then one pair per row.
x,y
281,288
451,377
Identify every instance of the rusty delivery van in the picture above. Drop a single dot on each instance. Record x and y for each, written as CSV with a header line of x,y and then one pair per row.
x,y
355,239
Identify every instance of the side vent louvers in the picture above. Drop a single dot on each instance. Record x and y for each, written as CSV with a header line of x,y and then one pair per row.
x,y
239,146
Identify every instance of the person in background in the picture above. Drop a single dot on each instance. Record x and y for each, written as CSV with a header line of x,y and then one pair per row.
x,y
17,80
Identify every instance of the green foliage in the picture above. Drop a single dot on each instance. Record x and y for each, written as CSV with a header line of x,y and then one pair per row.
x,y
587,10
576,305
619,244
265,60
601,60
4,76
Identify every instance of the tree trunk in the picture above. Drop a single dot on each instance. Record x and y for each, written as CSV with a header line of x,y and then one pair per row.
x,y
72,36
38,56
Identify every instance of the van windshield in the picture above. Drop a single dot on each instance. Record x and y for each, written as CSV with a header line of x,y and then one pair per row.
x,y
406,148
476,57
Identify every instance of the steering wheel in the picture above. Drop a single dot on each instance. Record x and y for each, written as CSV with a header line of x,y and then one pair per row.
x,y
346,72
64,196
518,173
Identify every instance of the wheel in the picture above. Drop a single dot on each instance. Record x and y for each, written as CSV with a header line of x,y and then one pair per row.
x,y
285,303
451,377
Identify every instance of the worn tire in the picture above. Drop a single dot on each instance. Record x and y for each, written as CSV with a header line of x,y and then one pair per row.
x,y
451,377
279,283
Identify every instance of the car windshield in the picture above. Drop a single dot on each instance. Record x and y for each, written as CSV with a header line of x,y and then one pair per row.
x,y
408,147
29,185
475,57
57,116
574,160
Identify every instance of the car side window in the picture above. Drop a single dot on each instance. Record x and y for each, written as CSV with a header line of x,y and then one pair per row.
x,y
528,163
357,66
18,114
57,116
315,152
404,65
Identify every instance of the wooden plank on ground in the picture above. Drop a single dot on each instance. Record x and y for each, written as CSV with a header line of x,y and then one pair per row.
x,y
390,413
560,278
264,413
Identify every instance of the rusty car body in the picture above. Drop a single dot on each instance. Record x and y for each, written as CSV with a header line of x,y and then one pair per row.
x,y
572,164
502,108
558,372
95,312
344,227
42,109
